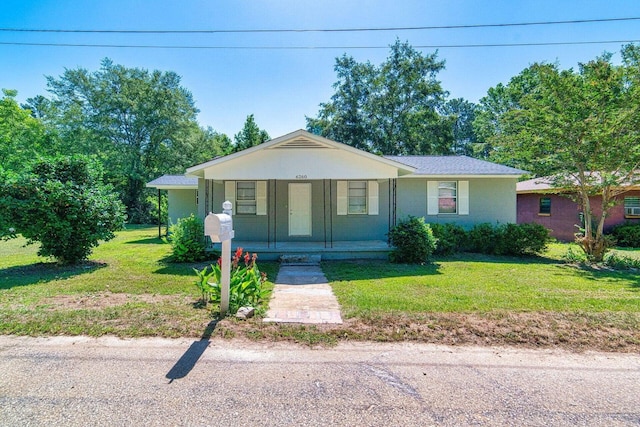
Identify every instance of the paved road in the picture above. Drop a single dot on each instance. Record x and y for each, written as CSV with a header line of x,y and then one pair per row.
x,y
156,382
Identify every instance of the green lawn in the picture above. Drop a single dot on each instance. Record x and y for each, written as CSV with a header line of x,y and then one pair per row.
x,y
479,283
128,288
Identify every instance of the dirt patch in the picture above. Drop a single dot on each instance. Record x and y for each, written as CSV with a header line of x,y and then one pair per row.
x,y
614,332
100,300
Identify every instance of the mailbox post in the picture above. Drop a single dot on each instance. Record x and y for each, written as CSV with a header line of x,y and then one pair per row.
x,y
219,227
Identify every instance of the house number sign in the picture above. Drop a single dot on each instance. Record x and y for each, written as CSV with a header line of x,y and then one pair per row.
x,y
301,176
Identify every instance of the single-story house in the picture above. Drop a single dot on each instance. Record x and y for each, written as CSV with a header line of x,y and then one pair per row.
x,y
303,192
540,202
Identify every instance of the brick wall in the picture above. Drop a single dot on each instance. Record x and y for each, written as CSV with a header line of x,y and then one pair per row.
x,y
565,213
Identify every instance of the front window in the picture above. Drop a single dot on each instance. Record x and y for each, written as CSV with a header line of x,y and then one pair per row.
x,y
632,206
545,206
357,197
246,197
447,197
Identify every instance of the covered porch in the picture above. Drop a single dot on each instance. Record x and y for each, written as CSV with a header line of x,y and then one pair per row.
x,y
337,250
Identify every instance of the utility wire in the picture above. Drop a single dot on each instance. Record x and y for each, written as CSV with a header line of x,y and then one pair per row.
x,y
435,46
326,30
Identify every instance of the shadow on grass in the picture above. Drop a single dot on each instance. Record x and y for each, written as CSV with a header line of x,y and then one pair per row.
x,y
43,272
599,273
180,268
186,363
148,241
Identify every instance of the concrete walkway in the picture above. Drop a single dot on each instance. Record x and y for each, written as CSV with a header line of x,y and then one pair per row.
x,y
302,295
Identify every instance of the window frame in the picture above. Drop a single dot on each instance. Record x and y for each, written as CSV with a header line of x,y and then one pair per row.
x,y
540,206
455,197
365,197
628,210
241,201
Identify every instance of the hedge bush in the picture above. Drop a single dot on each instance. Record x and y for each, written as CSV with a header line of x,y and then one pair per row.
x,y
502,239
413,241
451,238
627,235
521,239
483,238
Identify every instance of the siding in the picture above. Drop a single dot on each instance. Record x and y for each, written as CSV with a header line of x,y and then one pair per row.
x,y
182,203
491,200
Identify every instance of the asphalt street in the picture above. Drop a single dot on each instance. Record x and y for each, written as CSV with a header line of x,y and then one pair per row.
x,y
79,381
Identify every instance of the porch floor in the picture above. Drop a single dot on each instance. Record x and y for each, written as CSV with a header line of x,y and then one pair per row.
x,y
363,249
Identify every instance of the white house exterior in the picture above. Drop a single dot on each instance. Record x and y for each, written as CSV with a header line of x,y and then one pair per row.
x,y
302,190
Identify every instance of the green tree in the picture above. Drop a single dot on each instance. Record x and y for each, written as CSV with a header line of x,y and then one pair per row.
x,y
138,122
395,108
487,123
581,128
63,204
463,113
23,138
249,136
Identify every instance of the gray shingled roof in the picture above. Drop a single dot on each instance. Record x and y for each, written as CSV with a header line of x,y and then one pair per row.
x,y
174,181
454,165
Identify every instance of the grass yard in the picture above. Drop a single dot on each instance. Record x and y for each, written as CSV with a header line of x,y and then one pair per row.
x,y
479,299
129,289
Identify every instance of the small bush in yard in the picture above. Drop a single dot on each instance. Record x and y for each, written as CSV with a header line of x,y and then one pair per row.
x,y
451,238
627,235
245,287
521,239
188,240
483,238
621,262
413,241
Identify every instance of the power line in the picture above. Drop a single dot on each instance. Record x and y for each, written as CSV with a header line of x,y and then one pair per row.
x,y
435,46
325,30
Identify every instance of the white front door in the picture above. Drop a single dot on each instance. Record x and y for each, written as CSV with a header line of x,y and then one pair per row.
x,y
300,209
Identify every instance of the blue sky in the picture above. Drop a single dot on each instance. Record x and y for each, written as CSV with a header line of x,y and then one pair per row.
x,y
281,87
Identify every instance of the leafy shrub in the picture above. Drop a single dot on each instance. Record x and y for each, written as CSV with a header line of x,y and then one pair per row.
x,y
63,204
245,287
627,235
621,262
188,240
413,241
482,238
521,239
574,257
451,238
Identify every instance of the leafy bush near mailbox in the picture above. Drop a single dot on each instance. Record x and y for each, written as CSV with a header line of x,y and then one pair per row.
x,y
188,240
245,287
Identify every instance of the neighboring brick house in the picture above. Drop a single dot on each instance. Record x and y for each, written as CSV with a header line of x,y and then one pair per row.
x,y
551,207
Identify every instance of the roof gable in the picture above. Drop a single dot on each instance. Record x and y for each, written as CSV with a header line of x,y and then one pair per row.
x,y
301,155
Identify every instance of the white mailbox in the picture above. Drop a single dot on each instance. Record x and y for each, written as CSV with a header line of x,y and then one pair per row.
x,y
218,227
